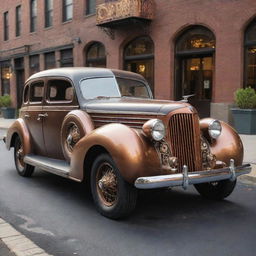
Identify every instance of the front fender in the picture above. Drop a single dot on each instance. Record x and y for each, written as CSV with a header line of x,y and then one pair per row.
x,y
133,153
228,145
19,128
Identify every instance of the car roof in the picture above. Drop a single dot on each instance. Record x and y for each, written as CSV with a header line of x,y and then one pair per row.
x,y
77,73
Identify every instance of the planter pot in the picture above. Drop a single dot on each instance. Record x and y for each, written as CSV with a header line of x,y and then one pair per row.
x,y
8,113
244,120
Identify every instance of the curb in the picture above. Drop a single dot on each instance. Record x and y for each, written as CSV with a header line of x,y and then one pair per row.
x,y
18,244
251,177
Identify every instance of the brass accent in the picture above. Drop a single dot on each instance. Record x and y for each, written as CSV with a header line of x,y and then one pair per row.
x,y
123,9
107,184
73,136
208,159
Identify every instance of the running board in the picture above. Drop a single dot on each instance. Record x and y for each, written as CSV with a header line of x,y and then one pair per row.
x,y
55,166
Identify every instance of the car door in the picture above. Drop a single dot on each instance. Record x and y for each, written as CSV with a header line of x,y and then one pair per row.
x,y
60,99
33,116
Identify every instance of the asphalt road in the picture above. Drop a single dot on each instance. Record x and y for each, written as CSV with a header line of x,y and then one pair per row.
x,y
59,216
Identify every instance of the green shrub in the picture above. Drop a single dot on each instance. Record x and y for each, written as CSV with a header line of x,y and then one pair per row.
x,y
245,98
5,101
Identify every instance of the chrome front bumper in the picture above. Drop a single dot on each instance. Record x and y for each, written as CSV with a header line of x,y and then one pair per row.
x,y
186,178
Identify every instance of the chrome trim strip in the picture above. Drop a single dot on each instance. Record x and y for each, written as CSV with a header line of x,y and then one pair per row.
x,y
121,117
90,111
183,179
55,166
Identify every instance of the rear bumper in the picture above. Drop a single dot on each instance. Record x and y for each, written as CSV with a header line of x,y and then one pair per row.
x,y
186,178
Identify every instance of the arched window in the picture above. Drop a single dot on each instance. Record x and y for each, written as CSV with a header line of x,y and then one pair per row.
x,y
139,58
194,67
96,55
250,55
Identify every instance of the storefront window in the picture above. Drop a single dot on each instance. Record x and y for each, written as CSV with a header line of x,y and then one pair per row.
x,y
139,58
250,56
96,55
194,67
66,58
33,64
6,74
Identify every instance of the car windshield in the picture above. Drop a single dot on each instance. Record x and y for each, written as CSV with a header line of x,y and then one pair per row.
x,y
113,87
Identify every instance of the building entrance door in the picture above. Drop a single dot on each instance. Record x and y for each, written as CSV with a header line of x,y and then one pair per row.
x,y
196,78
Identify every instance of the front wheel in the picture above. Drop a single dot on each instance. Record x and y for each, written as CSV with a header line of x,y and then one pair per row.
x,y
22,168
112,195
216,190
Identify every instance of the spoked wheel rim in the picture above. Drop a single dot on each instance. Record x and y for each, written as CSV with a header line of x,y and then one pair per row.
x,y
19,155
106,183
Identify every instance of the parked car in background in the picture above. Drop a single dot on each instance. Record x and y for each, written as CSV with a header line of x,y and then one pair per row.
x,y
104,126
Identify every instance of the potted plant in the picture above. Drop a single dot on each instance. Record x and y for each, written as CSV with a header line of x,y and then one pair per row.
x,y
5,103
245,113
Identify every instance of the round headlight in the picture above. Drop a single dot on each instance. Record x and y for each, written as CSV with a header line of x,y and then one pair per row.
x,y
214,129
154,129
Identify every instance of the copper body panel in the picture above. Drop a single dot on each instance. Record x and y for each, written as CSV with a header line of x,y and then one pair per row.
x,y
19,128
227,146
134,155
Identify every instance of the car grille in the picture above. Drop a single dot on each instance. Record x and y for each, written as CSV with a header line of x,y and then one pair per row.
x,y
185,141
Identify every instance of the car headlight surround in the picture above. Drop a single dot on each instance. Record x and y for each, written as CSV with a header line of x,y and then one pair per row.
x,y
214,129
154,129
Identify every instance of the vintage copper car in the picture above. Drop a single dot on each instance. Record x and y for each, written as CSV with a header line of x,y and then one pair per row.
x,y
103,126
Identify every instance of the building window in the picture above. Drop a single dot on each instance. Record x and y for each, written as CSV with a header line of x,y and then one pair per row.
x,y
33,15
18,20
6,26
96,55
66,58
5,77
90,7
33,64
67,10
250,56
139,58
48,13
49,60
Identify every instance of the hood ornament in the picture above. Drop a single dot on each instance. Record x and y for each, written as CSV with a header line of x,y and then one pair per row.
x,y
186,97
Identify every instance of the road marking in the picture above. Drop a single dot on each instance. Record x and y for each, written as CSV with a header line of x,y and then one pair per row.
x,y
18,243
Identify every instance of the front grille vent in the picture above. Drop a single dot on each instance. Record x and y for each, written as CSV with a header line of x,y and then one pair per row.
x,y
185,140
133,121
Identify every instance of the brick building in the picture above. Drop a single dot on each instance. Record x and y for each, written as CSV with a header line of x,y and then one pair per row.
x,y
202,47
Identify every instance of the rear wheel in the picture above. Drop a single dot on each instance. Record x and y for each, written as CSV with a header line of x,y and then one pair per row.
x,y
113,196
22,168
216,190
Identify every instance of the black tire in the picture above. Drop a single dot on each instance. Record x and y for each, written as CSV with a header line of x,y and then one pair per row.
x,y
23,169
112,195
216,190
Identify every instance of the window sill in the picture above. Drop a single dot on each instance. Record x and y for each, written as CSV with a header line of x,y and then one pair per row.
x,y
66,21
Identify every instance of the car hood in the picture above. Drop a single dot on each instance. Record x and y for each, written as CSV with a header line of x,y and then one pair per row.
x,y
132,105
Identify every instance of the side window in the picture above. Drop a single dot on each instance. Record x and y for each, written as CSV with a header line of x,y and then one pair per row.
x,y
25,94
36,92
59,90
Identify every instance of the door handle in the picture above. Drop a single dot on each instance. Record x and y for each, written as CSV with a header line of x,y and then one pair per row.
x,y
41,116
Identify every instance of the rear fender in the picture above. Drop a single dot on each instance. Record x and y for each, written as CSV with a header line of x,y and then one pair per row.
x,y
132,152
19,128
228,145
